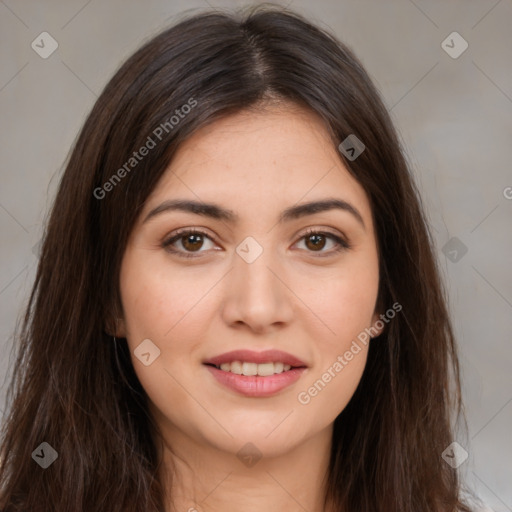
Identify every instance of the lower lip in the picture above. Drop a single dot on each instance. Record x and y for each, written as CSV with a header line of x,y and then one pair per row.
x,y
255,385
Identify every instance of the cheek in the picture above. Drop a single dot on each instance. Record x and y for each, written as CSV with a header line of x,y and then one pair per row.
x,y
156,301
348,310
163,308
345,302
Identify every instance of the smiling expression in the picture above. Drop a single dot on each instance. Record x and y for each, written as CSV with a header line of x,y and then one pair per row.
x,y
282,257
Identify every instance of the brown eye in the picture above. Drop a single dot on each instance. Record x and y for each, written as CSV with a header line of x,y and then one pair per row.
x,y
315,242
192,242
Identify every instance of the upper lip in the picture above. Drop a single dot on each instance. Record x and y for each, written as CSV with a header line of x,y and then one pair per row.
x,y
249,356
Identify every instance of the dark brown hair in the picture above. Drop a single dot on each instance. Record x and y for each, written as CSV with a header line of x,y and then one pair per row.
x,y
73,388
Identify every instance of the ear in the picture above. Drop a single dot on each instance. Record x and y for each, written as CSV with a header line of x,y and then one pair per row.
x,y
120,331
116,327
378,324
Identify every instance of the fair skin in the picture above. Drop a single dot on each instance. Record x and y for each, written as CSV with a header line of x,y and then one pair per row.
x,y
297,296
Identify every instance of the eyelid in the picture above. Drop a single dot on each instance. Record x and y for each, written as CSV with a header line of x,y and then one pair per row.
x,y
342,242
179,233
340,239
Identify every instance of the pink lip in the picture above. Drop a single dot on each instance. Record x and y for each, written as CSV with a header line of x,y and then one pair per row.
x,y
249,356
257,386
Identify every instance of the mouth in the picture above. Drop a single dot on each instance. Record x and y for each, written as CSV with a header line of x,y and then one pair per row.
x,y
276,357
256,374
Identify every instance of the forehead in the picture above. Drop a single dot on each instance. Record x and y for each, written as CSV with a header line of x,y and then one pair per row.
x,y
262,159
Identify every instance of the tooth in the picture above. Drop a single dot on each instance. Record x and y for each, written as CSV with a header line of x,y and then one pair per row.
x,y
236,367
265,369
250,369
278,367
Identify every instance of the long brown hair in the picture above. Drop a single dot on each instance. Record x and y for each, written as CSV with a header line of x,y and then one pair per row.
x,y
75,389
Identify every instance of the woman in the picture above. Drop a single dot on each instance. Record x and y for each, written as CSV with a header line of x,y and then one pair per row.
x,y
237,303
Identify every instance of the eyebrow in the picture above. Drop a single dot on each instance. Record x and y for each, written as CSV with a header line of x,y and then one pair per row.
x,y
215,211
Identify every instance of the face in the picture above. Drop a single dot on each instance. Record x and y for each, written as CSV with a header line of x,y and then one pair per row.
x,y
261,274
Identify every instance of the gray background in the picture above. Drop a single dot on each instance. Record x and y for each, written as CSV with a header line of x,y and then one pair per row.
x,y
454,116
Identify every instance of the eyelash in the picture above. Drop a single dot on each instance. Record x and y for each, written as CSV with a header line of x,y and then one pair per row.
x,y
342,245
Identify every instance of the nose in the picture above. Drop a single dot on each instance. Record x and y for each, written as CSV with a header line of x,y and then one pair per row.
x,y
257,294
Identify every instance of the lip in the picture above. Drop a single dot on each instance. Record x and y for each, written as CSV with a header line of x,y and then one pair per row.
x,y
257,386
249,356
